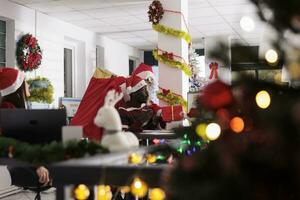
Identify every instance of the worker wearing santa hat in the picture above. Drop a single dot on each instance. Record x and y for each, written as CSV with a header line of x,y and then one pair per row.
x,y
14,91
136,115
13,88
145,72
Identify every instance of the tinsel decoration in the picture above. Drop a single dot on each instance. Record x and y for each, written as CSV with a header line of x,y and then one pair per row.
x,y
55,151
29,53
168,59
172,32
155,12
171,98
41,90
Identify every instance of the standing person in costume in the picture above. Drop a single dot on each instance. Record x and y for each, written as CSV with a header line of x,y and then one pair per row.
x,y
137,115
145,72
14,92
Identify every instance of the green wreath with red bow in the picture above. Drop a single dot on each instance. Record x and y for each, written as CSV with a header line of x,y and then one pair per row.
x,y
29,53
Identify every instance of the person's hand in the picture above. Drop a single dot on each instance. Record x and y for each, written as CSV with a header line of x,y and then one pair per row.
x,y
43,175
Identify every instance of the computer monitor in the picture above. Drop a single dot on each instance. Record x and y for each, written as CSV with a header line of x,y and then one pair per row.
x,y
33,126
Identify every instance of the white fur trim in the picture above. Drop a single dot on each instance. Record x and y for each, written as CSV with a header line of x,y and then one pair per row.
x,y
145,75
18,82
136,87
133,108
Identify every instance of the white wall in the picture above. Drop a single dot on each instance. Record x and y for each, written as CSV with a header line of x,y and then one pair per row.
x,y
116,55
52,34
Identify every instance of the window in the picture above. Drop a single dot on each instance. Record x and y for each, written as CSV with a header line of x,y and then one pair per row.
x,y
68,66
2,43
131,66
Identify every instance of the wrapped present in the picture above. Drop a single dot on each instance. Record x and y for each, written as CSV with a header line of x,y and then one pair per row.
x,y
172,113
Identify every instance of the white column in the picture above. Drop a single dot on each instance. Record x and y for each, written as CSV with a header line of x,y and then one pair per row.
x,y
224,70
173,78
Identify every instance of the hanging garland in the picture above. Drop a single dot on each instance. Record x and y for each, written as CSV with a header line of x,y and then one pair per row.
x,y
172,32
29,53
49,153
171,98
155,12
41,90
168,59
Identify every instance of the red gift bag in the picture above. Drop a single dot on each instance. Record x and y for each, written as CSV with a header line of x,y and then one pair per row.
x,y
172,113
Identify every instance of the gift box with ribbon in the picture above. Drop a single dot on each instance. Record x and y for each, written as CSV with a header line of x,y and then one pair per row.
x,y
172,113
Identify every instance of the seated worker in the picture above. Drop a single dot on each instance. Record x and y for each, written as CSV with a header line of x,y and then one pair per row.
x,y
14,91
136,115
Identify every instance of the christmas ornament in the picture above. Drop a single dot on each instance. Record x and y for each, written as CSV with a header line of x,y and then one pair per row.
x,y
135,158
201,131
213,70
81,192
168,59
263,99
216,95
151,158
29,53
237,124
104,192
157,194
41,90
155,12
213,131
139,188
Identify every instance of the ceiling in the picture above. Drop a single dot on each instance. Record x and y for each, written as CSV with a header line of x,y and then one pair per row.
x,y
127,21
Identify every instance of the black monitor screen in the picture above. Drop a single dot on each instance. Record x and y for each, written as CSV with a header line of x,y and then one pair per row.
x,y
33,126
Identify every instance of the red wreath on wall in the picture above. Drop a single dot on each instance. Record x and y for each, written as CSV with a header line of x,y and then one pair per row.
x,y
29,53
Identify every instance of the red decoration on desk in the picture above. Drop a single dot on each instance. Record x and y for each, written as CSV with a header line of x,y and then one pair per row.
x,y
172,113
213,70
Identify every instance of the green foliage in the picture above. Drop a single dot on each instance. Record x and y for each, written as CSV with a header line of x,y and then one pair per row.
x,y
41,90
48,153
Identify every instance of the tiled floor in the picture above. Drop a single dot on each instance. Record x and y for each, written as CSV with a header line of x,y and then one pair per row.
x,y
28,195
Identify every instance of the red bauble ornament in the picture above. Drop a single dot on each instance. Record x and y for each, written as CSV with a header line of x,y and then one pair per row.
x,y
216,95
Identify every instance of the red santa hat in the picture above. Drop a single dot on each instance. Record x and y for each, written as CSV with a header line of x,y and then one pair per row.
x,y
10,80
134,84
144,71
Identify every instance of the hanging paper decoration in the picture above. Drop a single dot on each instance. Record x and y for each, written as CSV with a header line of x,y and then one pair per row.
x,y
155,12
168,59
171,98
172,32
29,53
213,70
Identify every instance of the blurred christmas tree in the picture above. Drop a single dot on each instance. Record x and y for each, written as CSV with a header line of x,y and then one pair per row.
x,y
253,126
